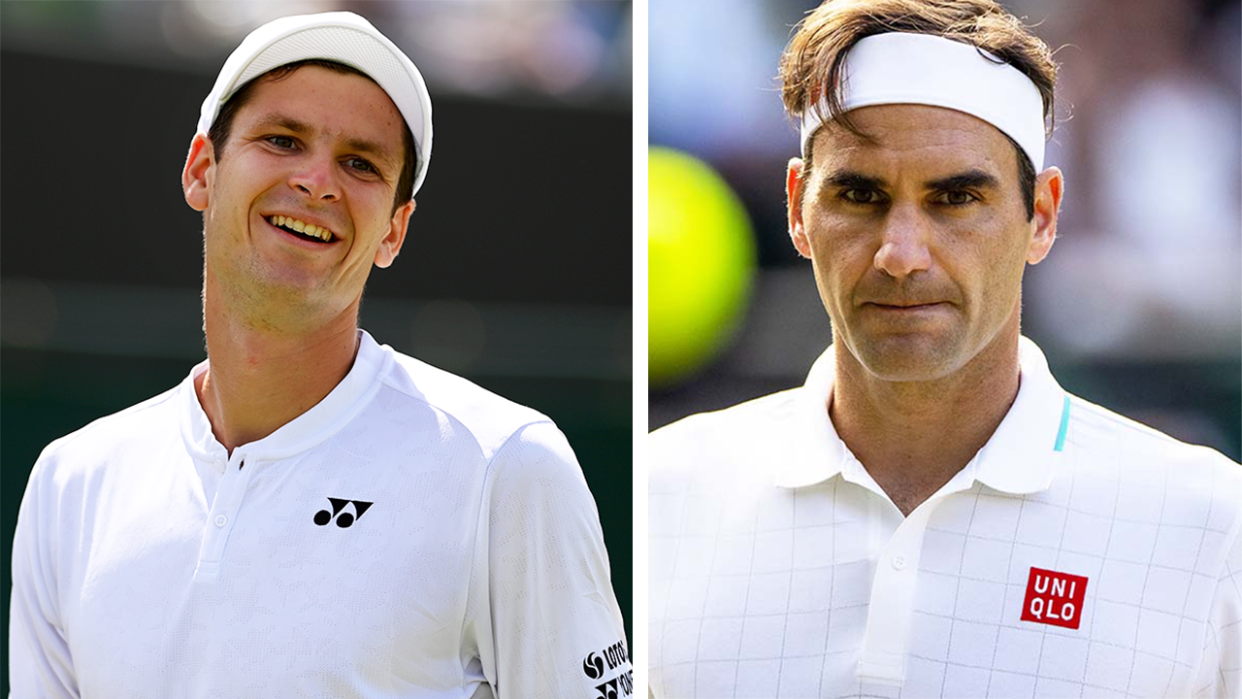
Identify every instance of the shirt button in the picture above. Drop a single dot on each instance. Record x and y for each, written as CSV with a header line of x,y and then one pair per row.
x,y
899,562
221,520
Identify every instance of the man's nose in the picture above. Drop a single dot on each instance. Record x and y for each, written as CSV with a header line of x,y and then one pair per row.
x,y
904,242
316,177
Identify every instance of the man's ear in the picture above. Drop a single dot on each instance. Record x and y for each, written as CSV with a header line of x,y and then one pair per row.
x,y
795,185
197,175
390,244
1049,187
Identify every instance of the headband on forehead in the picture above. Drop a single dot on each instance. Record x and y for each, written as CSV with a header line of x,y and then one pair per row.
x,y
902,68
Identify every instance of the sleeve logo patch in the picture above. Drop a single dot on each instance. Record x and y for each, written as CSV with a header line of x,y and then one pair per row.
x,y
607,690
612,662
1054,598
593,666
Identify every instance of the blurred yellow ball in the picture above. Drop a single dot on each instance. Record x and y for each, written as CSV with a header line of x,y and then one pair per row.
x,y
701,257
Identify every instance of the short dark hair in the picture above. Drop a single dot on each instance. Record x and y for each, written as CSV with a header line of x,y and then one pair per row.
x,y
222,126
812,63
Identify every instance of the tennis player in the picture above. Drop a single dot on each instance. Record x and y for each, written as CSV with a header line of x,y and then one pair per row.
x,y
311,514
931,514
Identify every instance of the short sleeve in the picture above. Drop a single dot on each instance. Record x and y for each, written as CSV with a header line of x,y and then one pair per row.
x,y
1220,673
555,628
40,664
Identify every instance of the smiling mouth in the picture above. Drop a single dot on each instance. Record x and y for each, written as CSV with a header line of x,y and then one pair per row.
x,y
301,229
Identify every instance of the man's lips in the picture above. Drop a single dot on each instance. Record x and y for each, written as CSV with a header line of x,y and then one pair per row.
x,y
904,306
905,310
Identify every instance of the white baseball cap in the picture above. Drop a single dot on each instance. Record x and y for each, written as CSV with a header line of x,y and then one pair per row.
x,y
343,37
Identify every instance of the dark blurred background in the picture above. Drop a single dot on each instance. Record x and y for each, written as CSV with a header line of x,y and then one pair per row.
x,y
1139,305
516,273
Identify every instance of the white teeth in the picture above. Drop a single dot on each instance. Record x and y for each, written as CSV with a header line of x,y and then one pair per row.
x,y
302,227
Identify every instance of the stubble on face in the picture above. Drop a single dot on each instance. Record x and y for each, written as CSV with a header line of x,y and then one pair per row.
x,y
918,239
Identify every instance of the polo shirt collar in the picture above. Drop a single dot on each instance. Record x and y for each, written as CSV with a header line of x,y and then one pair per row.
x,y
1019,458
1021,455
814,451
312,427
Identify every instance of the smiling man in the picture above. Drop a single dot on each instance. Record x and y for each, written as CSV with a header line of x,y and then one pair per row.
x,y
931,514
311,513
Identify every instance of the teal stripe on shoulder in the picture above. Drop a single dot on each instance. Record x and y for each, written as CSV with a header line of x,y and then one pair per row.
x,y
1065,410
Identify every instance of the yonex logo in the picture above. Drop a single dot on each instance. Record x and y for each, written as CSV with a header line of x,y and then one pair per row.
x,y
607,690
343,519
618,687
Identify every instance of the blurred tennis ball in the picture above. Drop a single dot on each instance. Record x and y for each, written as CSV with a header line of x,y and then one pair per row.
x,y
701,258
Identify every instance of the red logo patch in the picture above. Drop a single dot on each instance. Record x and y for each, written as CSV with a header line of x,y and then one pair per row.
x,y
1054,598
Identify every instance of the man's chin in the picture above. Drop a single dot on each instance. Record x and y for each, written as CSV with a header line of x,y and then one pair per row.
x,y
908,357
277,301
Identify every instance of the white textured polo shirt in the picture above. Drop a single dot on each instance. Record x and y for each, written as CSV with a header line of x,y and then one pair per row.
x,y
412,535
1078,554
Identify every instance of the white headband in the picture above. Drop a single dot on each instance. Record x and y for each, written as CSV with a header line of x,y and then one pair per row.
x,y
901,68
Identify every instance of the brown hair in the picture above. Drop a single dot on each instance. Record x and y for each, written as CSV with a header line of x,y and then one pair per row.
x,y
813,60
222,126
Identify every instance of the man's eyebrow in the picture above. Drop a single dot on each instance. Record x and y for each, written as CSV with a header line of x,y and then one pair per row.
x,y
971,179
284,122
852,179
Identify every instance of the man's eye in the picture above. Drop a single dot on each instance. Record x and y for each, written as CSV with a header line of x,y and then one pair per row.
x,y
280,141
361,165
955,198
861,196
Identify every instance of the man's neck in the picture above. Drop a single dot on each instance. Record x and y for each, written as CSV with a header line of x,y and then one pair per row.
x,y
913,437
258,380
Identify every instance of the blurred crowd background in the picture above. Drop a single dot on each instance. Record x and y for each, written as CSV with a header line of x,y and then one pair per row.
x,y
517,271
1139,305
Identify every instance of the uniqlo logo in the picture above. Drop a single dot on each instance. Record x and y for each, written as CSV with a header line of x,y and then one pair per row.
x,y
1054,598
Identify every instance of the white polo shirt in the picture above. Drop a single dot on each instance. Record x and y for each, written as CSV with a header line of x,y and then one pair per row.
x,y
1078,554
412,535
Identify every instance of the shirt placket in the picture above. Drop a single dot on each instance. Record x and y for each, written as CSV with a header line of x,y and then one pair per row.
x,y
890,611
882,659
222,517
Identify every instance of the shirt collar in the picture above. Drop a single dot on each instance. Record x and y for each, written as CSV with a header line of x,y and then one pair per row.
x,y
312,427
1018,458
814,452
